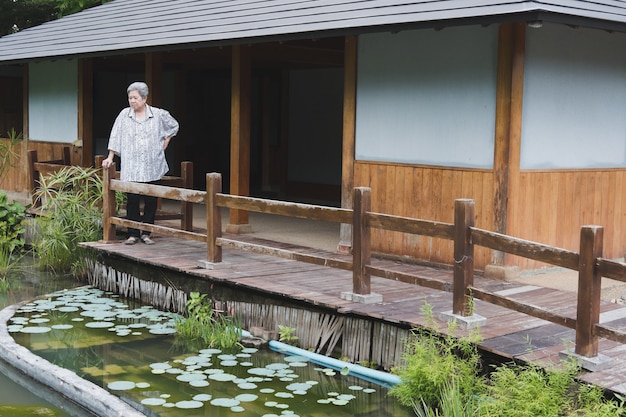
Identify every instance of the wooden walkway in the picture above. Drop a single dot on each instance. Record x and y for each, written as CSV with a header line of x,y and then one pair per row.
x,y
506,333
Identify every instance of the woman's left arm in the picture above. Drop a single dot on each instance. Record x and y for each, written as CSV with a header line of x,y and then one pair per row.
x,y
169,126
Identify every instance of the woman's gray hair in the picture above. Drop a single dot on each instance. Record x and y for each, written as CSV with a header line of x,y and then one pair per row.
x,y
140,87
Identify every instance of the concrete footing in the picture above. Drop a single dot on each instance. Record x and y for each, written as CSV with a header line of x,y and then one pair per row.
x,y
595,363
238,229
371,298
466,322
504,273
204,264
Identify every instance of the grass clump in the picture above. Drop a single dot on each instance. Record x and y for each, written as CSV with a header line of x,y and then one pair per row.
x,y
437,368
71,207
444,377
205,324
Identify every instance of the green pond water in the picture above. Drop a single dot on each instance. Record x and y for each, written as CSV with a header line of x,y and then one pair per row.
x,y
131,350
26,283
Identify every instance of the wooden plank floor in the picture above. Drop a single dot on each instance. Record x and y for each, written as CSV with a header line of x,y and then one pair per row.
x,y
506,333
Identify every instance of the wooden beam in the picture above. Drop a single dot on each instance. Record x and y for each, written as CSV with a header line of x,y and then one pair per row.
x,y
349,137
240,132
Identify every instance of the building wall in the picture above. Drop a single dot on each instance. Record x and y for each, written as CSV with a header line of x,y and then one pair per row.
x,y
420,145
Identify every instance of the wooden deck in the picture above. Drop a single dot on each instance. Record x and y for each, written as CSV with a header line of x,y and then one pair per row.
x,y
506,333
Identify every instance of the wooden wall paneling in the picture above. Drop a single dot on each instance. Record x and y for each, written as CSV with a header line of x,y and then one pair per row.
x,y
618,240
412,189
378,201
398,197
562,188
609,204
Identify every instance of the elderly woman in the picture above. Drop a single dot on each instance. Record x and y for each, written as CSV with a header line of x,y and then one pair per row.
x,y
140,136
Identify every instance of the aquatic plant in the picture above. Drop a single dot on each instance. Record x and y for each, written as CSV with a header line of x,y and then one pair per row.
x,y
287,335
202,322
71,201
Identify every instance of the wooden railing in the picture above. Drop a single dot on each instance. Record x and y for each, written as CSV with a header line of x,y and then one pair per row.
x,y
465,236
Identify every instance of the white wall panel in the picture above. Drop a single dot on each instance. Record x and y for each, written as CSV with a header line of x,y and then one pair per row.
x,y
574,99
428,97
53,101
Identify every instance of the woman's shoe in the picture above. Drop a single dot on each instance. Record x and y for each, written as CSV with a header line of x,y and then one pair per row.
x,y
146,239
131,240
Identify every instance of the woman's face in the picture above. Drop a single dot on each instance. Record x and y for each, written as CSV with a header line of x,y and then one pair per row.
x,y
135,100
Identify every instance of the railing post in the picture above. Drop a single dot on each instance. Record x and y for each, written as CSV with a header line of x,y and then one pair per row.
x,y
108,204
463,256
186,208
213,217
361,241
589,290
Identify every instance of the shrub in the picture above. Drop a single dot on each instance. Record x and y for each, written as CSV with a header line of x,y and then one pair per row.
x,y
12,242
71,201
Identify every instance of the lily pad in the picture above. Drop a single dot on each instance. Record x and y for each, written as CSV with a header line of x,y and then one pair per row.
x,y
189,404
121,385
153,401
225,402
35,329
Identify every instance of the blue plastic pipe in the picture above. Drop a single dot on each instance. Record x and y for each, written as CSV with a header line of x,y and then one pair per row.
x,y
372,375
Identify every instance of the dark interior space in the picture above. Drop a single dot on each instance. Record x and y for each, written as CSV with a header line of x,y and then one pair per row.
x,y
294,86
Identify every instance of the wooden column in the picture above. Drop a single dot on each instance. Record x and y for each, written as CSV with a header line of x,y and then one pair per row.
x,y
508,129
85,111
240,135
154,78
213,217
23,184
349,129
463,256
108,204
362,253
589,290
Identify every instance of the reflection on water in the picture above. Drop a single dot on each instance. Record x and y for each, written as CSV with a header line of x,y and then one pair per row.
x,y
129,349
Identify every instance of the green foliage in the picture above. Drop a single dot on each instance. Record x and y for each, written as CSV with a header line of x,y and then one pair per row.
x,y
204,323
67,7
71,202
12,242
16,15
12,217
432,364
287,335
442,377
528,391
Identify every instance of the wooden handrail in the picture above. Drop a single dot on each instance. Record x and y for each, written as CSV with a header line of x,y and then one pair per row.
x,y
465,236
